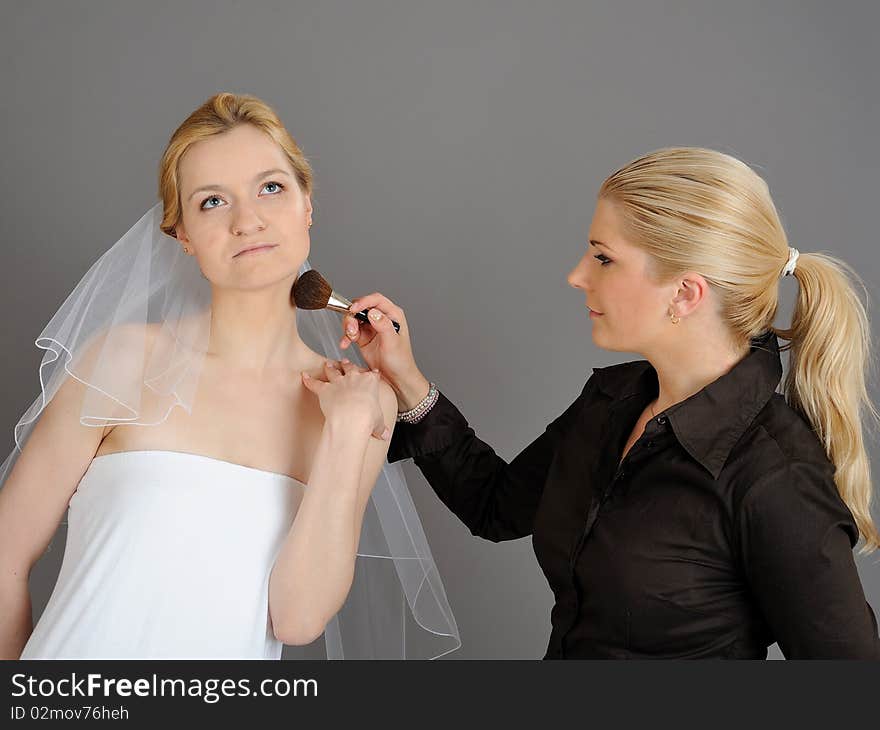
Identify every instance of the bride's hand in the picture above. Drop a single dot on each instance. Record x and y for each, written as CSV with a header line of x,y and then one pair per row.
x,y
385,349
349,396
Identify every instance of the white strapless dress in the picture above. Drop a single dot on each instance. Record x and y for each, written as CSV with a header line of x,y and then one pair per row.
x,y
168,555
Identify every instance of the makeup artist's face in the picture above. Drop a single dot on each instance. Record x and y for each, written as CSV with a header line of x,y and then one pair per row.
x,y
612,275
237,190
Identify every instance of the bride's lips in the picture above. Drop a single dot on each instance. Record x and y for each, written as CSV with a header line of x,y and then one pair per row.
x,y
594,313
255,247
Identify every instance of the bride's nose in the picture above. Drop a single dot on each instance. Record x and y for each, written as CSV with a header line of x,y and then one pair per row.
x,y
247,221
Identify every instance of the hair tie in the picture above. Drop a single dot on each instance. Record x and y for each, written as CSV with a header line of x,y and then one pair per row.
x,y
793,254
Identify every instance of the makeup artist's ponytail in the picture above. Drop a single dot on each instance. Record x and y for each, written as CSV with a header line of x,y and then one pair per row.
x,y
829,359
693,209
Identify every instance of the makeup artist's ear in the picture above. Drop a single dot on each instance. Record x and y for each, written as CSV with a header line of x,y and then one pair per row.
x,y
692,290
308,205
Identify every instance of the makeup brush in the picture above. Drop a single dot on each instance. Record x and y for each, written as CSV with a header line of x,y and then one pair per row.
x,y
313,291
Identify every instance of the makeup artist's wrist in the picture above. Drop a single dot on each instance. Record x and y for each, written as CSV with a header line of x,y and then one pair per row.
x,y
411,391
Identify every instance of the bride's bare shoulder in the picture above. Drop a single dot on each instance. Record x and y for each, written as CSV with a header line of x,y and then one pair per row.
x,y
127,333
313,363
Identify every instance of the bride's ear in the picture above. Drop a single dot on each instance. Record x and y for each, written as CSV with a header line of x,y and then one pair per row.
x,y
180,235
308,206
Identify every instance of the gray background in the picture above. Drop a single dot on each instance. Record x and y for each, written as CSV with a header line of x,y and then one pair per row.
x,y
458,147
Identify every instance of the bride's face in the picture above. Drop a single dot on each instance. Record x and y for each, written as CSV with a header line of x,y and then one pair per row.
x,y
612,275
237,190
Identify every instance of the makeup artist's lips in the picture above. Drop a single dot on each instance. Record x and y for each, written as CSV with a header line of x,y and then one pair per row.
x,y
594,313
254,249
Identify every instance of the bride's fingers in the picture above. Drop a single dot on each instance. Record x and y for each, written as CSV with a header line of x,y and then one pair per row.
x,y
381,432
349,367
332,371
312,384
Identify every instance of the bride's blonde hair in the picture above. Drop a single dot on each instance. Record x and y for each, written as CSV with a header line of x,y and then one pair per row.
x,y
694,209
221,113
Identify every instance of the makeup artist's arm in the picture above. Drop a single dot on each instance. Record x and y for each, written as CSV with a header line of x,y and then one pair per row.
x,y
795,537
314,569
497,500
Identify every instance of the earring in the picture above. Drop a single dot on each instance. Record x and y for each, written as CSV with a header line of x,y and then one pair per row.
x,y
674,319
185,249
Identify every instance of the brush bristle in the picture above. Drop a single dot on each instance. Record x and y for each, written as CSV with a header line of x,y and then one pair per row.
x,y
311,291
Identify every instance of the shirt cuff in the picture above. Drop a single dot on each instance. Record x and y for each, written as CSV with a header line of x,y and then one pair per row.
x,y
435,432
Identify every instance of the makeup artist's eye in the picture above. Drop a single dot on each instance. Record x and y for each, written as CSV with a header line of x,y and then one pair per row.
x,y
215,197
602,259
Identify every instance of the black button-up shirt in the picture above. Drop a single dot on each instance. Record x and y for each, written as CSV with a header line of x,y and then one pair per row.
x,y
721,531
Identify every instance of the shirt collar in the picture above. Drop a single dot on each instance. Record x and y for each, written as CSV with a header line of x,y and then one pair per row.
x,y
709,422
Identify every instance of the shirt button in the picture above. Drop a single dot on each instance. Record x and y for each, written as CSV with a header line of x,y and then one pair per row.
x,y
661,420
650,444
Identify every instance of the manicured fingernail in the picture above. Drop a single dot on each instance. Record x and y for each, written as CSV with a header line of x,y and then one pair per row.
x,y
354,307
305,374
375,315
386,434
351,330
345,359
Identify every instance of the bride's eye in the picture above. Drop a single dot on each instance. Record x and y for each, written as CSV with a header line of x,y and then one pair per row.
x,y
602,259
265,185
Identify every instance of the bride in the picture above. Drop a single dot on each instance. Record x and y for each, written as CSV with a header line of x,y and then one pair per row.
x,y
233,524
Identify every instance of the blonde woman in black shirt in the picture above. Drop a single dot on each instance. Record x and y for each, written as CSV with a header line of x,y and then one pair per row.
x,y
680,507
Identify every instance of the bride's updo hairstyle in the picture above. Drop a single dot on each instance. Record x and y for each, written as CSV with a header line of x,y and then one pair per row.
x,y
222,113
694,209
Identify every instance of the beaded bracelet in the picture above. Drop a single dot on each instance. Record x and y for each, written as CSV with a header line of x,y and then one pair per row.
x,y
414,415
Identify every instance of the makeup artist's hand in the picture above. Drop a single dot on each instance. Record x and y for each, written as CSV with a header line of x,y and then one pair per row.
x,y
385,349
350,396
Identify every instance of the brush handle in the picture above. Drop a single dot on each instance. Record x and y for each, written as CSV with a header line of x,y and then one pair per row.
x,y
362,317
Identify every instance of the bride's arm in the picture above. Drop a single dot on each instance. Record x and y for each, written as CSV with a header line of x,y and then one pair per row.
x,y
33,500
314,569
377,452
